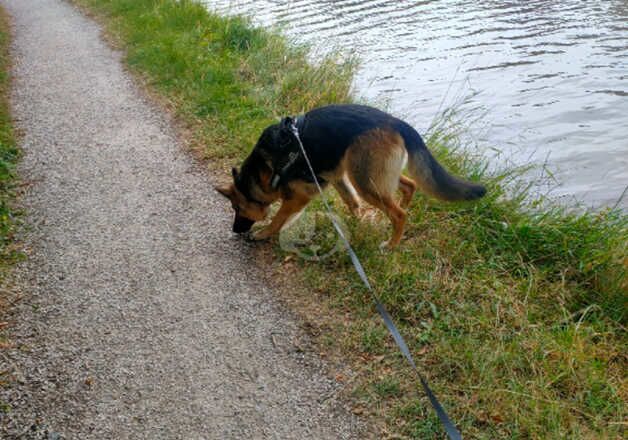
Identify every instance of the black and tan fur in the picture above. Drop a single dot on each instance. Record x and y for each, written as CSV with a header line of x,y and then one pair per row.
x,y
359,150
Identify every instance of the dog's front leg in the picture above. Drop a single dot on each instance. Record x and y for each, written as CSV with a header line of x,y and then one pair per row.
x,y
288,208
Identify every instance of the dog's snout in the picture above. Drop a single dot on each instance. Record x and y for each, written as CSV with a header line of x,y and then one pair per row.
x,y
242,224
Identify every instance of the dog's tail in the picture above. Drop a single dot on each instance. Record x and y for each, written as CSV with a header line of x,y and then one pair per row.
x,y
430,176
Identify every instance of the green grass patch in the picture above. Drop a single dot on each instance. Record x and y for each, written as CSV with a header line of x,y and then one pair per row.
x,y
9,155
514,308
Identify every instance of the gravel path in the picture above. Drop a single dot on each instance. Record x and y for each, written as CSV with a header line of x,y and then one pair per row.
x,y
144,317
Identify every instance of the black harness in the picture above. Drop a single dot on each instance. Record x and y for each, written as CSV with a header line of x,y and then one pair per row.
x,y
289,163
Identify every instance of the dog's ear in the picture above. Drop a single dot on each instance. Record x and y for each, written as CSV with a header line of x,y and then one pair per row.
x,y
226,191
234,172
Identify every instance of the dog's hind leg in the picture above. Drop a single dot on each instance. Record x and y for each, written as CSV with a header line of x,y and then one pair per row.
x,y
393,211
374,164
348,195
408,188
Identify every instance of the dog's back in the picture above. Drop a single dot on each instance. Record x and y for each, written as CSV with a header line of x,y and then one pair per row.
x,y
328,132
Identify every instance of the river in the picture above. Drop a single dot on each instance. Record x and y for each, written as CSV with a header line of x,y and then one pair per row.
x,y
549,76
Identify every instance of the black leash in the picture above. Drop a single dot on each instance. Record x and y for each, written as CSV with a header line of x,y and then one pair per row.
x,y
450,428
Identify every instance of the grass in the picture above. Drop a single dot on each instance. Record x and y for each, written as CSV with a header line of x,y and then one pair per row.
x,y
8,151
9,155
514,308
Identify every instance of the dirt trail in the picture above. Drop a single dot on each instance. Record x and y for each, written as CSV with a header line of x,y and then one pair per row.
x,y
143,317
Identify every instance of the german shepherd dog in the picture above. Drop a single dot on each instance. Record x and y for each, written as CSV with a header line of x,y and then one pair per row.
x,y
356,149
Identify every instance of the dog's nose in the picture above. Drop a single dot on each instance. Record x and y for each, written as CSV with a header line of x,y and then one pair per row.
x,y
242,224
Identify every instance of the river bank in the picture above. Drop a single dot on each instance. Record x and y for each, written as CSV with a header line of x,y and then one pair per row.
x,y
515,312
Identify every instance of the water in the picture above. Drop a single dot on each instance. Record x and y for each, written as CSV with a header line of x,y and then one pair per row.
x,y
552,75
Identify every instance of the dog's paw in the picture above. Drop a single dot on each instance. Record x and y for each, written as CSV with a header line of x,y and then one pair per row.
x,y
387,246
259,235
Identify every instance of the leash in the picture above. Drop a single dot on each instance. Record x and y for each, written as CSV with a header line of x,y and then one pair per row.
x,y
450,428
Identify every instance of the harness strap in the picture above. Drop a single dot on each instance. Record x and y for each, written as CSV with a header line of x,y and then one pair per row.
x,y
292,158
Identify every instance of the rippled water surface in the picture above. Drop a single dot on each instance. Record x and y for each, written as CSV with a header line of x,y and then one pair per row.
x,y
552,74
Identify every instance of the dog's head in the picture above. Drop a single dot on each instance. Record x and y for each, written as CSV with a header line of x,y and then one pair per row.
x,y
247,211
272,143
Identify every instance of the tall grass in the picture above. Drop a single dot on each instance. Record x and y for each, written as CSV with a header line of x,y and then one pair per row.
x,y
515,309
